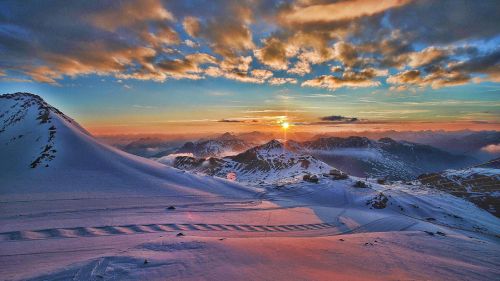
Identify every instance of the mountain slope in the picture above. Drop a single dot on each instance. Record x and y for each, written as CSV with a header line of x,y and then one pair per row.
x,y
45,153
272,162
388,158
479,184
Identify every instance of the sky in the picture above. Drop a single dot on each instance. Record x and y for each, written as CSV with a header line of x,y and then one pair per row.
x,y
152,66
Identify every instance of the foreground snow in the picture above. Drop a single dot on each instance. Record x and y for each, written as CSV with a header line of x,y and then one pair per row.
x,y
373,256
325,231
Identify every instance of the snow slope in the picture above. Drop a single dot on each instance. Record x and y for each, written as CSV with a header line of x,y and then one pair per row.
x,y
479,184
76,164
95,213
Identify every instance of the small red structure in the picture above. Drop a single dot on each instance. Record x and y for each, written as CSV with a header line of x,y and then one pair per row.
x,y
231,176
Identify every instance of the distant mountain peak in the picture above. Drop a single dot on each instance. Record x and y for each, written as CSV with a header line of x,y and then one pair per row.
x,y
387,140
273,144
227,136
225,144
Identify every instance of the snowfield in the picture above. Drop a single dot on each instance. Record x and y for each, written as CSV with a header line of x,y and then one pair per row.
x,y
90,212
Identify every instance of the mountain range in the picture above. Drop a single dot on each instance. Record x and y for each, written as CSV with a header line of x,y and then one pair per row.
x,y
73,208
358,156
385,158
272,162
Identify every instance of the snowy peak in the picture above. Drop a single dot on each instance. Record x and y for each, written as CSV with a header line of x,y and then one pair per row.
x,y
27,122
271,147
227,137
20,103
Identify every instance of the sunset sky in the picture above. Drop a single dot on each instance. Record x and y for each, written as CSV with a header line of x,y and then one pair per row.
x,y
156,66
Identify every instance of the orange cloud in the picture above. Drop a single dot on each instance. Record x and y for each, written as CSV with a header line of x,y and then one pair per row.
x,y
349,79
273,54
131,13
191,26
339,11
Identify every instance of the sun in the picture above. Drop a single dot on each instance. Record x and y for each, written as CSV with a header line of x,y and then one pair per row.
x,y
285,125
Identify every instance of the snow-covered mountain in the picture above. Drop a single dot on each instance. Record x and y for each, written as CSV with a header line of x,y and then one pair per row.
x,y
44,152
479,184
399,160
272,162
73,208
358,156
224,145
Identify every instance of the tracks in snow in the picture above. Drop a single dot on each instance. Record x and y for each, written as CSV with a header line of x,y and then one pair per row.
x,y
75,232
380,225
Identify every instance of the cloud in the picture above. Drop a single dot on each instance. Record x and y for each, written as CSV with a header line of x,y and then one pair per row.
x,y
130,13
164,35
492,148
488,64
237,69
273,54
280,81
230,121
262,73
345,53
427,56
227,36
191,26
349,79
436,77
189,65
339,11
323,44
191,43
339,119
446,21
301,68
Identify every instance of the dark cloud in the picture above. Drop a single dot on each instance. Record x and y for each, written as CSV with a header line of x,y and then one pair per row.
x,y
273,54
488,64
447,21
485,67
339,118
230,121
